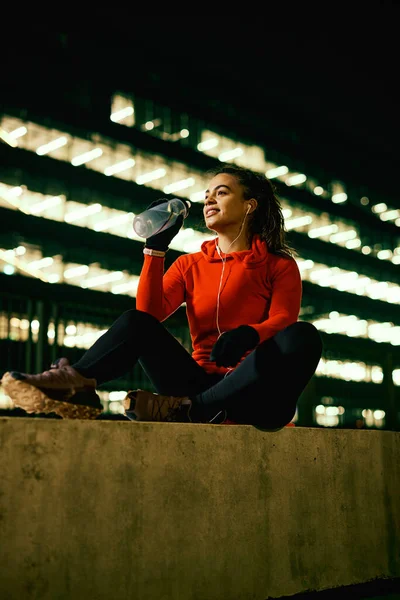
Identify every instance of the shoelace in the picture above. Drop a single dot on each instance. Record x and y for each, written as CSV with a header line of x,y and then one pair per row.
x,y
172,412
160,402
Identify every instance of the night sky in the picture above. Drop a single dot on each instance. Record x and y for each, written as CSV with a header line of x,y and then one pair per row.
x,y
331,79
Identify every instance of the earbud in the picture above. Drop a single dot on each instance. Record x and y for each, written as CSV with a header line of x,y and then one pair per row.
x,y
248,210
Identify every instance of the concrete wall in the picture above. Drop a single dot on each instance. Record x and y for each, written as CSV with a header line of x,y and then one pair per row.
x,y
119,510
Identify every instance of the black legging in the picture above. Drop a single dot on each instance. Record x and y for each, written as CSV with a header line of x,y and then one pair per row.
x,y
262,390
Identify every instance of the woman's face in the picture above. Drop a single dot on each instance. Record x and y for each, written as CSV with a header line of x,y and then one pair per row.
x,y
224,205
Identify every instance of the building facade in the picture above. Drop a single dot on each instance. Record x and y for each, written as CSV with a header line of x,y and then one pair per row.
x,y
73,174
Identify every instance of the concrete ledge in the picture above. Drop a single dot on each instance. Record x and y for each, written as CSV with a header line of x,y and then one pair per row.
x,y
115,510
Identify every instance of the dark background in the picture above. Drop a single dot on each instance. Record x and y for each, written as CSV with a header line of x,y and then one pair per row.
x,y
330,80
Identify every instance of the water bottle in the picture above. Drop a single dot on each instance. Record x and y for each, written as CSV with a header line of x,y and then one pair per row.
x,y
159,217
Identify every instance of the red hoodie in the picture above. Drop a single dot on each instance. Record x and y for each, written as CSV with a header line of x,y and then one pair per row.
x,y
259,289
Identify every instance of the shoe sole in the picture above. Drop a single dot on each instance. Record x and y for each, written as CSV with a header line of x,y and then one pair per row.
x,y
34,400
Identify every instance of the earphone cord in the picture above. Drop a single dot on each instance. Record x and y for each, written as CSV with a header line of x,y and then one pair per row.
x,y
219,291
222,274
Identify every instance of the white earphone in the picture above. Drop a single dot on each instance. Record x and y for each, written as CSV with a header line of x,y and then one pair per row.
x,y
223,268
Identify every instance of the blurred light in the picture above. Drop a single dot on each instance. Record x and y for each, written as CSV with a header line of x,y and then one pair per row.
x,y
179,185
378,208
305,264
184,133
149,125
298,222
102,279
353,244
116,408
83,212
342,236
41,263
322,231
86,157
277,172
54,145
208,144
53,278
118,220
198,196
129,286
185,233
230,154
76,271
384,254
379,414
15,192
151,176
5,136
390,214
318,190
116,396
122,114
119,167
339,198
296,179
17,133
41,206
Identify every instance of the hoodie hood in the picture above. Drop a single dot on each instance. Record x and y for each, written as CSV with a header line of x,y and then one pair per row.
x,y
251,259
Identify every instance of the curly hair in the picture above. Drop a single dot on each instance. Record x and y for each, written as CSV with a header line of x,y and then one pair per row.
x,y
267,220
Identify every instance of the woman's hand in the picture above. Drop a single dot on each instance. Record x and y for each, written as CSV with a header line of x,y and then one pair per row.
x,y
233,344
161,241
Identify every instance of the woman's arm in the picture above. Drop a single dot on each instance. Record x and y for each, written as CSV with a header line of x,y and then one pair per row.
x,y
158,294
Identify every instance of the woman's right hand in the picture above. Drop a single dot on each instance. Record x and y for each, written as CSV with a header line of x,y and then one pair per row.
x,y
161,241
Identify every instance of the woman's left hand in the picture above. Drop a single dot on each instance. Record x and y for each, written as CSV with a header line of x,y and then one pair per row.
x,y
232,345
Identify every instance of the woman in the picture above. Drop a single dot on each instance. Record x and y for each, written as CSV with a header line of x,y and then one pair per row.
x,y
251,356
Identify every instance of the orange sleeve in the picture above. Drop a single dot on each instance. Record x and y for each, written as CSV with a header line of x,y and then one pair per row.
x,y
285,300
158,294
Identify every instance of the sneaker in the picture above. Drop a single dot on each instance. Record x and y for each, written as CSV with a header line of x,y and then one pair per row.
x,y
141,405
61,390
85,397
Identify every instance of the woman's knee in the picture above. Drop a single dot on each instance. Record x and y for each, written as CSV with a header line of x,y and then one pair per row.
x,y
298,336
137,318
